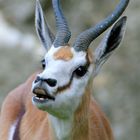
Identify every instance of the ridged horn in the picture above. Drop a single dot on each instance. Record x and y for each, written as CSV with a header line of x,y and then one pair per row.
x,y
85,38
63,33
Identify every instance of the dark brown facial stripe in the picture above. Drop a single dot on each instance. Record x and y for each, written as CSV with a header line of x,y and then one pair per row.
x,y
67,86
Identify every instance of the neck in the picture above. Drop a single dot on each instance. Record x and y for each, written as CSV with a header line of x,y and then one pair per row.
x,y
76,127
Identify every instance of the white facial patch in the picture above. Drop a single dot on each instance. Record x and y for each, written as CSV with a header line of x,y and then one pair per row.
x,y
67,100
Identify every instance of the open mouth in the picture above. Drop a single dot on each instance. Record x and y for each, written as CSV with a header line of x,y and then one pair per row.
x,y
40,95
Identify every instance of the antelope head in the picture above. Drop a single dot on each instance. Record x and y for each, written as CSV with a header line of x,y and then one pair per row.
x,y
67,70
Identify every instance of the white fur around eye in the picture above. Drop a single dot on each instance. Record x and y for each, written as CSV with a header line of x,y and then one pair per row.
x,y
68,100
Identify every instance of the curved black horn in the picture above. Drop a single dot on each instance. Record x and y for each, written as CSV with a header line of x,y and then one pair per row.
x,y
63,33
85,38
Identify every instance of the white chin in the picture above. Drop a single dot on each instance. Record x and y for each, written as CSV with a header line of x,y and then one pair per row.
x,y
41,102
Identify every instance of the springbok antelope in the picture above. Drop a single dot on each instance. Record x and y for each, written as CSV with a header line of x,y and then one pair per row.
x,y
55,103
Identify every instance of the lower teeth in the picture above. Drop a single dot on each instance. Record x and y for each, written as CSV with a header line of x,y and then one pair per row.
x,y
41,99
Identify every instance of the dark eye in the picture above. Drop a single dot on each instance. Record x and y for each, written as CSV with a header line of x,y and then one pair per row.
x,y
43,63
81,71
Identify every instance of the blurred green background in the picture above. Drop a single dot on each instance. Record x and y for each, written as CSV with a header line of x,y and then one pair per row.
x,y
117,87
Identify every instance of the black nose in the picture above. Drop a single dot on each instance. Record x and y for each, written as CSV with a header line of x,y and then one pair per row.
x,y
49,81
37,79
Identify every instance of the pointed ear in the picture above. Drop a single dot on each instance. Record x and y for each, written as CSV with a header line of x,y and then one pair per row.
x,y
45,35
111,41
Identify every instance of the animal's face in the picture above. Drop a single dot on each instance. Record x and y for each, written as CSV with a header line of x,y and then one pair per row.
x,y
59,88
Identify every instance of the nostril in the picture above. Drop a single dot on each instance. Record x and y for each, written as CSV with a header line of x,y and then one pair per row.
x,y
51,82
37,79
